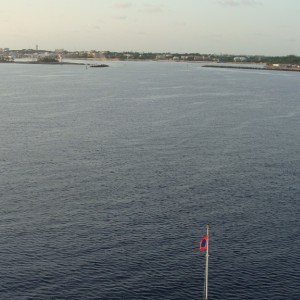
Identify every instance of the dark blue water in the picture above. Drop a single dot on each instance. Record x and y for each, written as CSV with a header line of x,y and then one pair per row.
x,y
108,177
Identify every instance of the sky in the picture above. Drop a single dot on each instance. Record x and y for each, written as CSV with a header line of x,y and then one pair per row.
x,y
240,27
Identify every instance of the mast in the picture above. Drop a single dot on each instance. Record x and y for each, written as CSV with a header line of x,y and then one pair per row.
x,y
206,264
204,247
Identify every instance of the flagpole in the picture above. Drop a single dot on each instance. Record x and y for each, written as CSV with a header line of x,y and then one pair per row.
x,y
206,264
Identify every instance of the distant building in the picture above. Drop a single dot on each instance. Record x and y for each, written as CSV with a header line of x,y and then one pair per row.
x,y
92,53
160,56
184,57
239,59
198,57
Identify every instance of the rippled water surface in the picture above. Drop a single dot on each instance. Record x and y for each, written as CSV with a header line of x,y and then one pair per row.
x,y
108,177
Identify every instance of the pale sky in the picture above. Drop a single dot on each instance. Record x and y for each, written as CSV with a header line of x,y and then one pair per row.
x,y
263,27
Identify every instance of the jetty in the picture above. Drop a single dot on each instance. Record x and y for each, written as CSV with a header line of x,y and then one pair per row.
x,y
99,66
41,63
266,68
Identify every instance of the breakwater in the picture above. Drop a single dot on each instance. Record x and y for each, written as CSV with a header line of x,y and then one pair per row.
x,y
41,63
252,68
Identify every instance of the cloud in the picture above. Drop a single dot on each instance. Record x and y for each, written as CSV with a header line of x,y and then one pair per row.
x,y
290,40
235,3
120,17
149,8
123,5
180,23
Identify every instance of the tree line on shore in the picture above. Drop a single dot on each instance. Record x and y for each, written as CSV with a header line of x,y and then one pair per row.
x,y
47,56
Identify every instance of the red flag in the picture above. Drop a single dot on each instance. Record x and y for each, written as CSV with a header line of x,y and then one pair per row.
x,y
204,243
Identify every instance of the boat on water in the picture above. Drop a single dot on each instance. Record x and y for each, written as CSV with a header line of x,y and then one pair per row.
x,y
99,66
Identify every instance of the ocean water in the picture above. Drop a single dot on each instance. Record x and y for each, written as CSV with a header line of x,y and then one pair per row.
x,y
109,176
